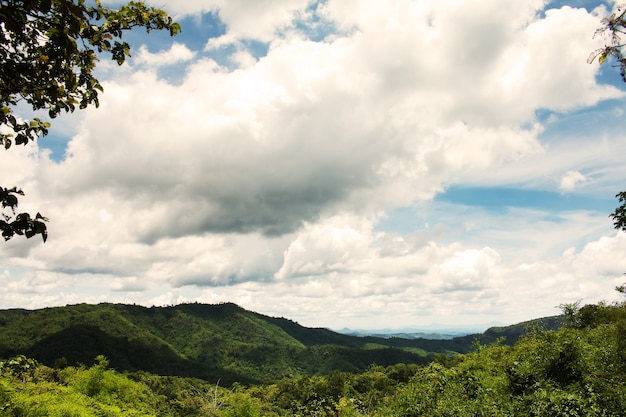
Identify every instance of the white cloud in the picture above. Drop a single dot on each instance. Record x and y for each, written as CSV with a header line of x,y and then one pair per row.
x,y
260,20
176,54
263,184
450,285
468,270
570,180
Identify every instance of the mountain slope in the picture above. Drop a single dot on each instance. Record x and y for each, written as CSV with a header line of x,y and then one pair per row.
x,y
213,342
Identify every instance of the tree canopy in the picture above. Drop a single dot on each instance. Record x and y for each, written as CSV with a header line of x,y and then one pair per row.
x,y
48,52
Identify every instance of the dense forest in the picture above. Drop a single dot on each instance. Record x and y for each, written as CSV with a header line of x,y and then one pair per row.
x,y
576,370
213,342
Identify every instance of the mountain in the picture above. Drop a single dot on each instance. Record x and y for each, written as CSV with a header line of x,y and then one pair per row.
x,y
406,333
221,342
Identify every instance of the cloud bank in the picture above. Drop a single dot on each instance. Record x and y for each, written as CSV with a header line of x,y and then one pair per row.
x,y
263,181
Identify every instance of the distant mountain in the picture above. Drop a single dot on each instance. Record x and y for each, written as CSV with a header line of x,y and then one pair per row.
x,y
213,342
406,333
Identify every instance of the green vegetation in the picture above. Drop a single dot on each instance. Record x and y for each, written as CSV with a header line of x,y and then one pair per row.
x,y
577,370
213,342
74,392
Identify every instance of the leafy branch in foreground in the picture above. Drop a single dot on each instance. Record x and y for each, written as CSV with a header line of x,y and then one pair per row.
x,y
48,52
612,29
619,222
619,215
22,223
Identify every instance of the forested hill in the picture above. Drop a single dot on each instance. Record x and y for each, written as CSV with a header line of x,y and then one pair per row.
x,y
213,342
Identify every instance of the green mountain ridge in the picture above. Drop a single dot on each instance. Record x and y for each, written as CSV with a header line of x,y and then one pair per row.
x,y
215,342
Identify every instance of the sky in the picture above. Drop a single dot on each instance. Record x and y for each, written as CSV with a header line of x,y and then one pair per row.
x,y
341,163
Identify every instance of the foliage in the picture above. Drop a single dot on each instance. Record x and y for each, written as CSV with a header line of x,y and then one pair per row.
x,y
569,372
48,53
77,392
611,30
576,371
619,222
19,366
570,313
619,215
22,223
213,342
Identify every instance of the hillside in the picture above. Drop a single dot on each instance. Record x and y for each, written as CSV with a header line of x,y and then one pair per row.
x,y
213,342
577,370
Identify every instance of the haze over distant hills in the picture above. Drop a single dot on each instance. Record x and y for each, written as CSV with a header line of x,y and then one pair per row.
x,y
407,333
433,331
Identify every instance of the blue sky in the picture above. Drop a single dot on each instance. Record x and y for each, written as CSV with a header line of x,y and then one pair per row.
x,y
344,163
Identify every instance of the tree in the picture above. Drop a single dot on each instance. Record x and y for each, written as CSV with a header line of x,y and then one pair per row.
x,y
619,222
619,215
612,27
48,52
570,313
